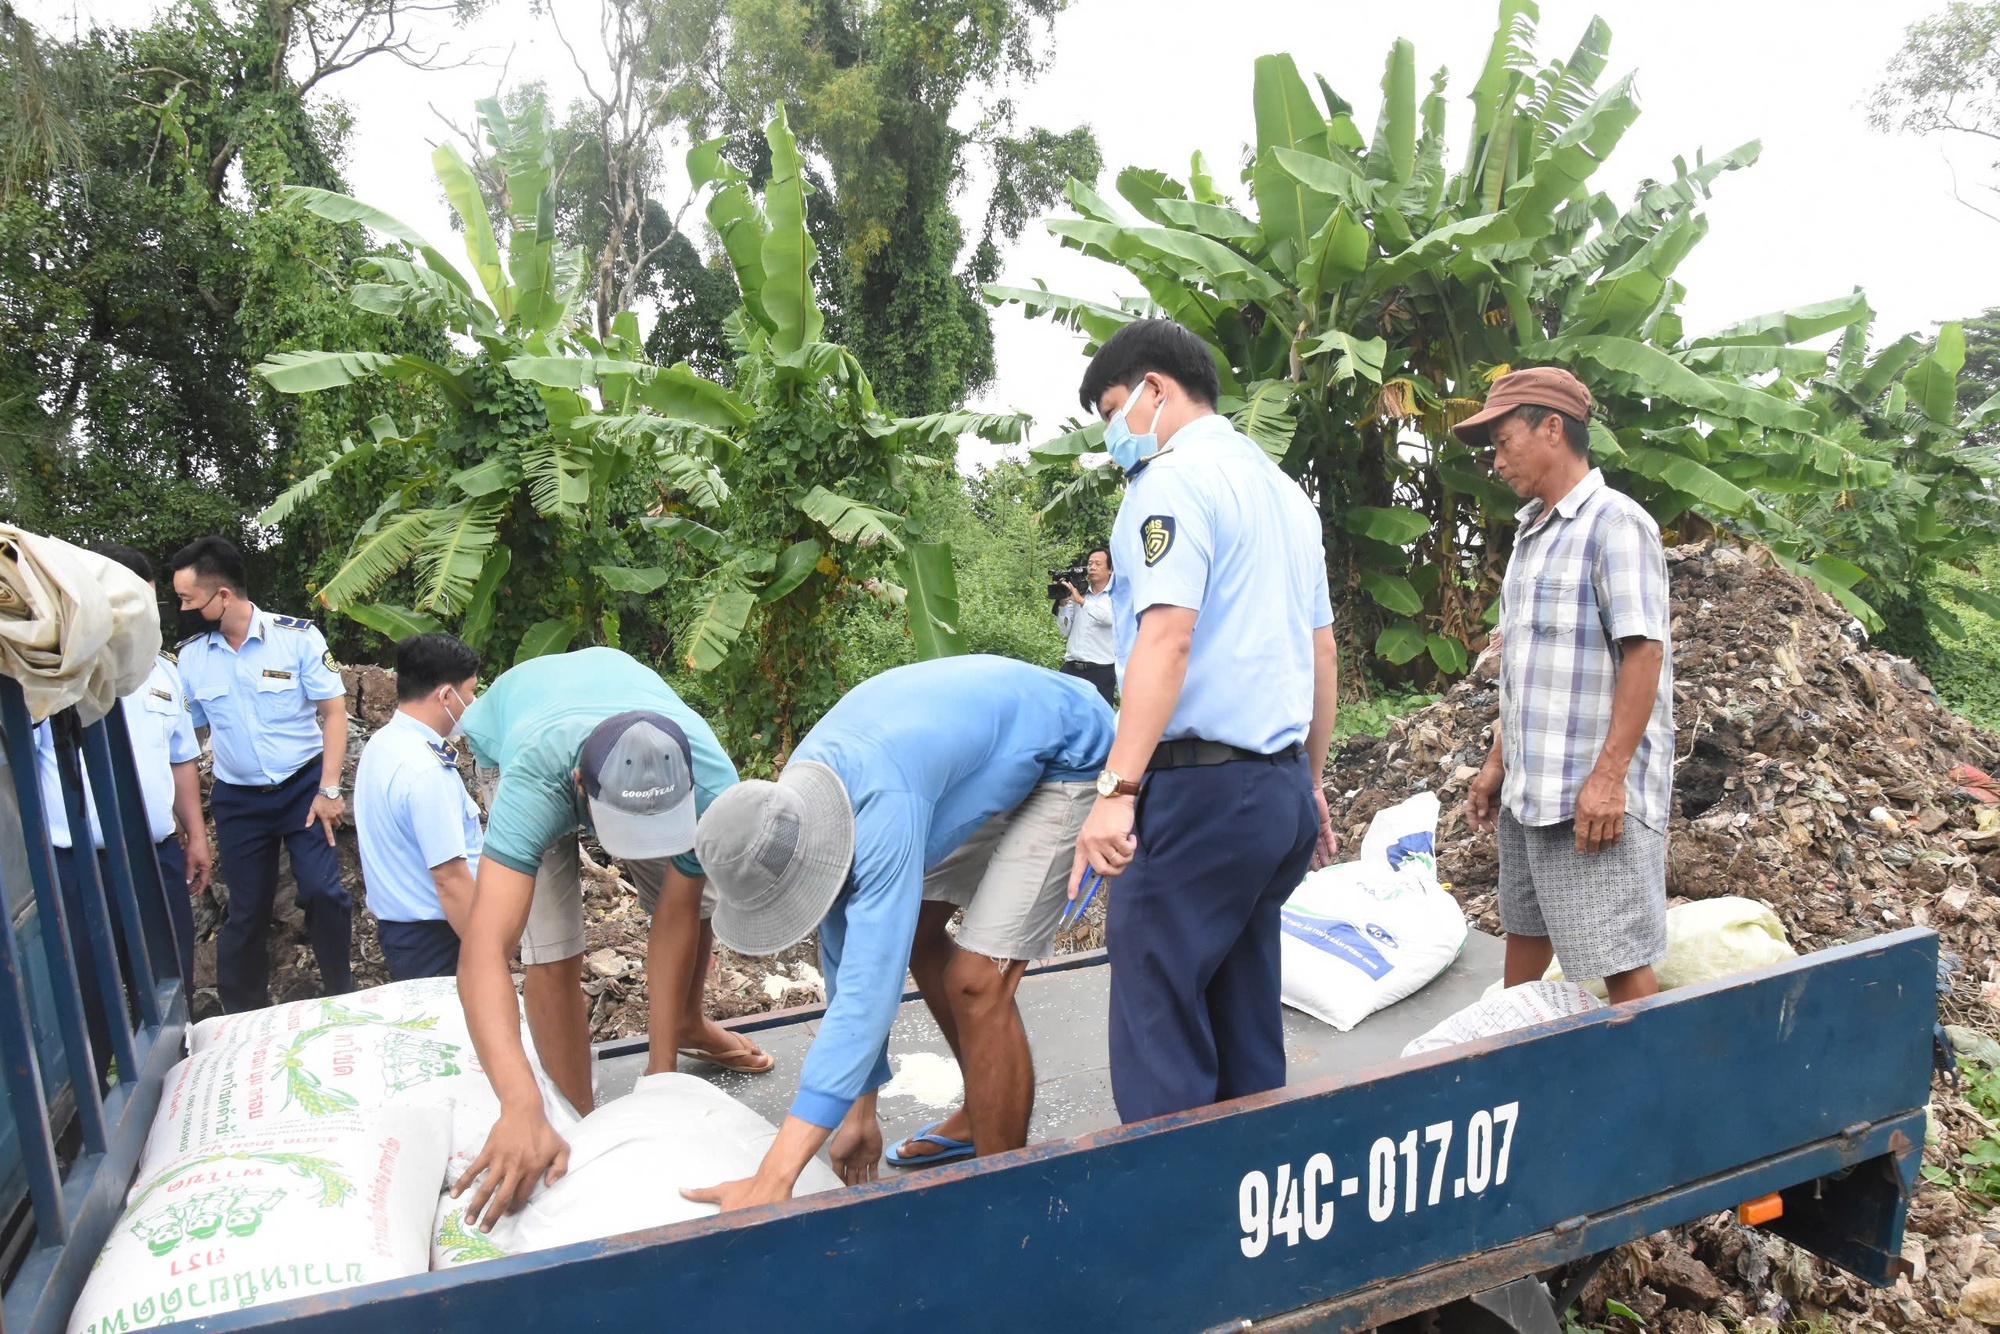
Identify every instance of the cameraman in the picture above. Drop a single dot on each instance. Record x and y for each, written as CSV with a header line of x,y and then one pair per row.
x,y
1084,617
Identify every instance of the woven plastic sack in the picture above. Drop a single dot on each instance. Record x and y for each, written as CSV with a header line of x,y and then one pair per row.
x,y
1503,1011
309,1208
1362,935
628,1162
1711,938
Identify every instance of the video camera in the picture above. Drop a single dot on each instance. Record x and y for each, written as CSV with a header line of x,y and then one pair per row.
x,y
1075,577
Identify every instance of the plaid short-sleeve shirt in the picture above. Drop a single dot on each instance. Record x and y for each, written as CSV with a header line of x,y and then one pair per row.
x,y
1592,575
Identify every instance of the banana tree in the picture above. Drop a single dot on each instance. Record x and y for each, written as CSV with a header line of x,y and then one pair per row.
x,y
1364,294
566,476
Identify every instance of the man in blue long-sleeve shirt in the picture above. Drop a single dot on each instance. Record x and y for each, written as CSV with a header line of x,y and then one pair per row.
x,y
983,757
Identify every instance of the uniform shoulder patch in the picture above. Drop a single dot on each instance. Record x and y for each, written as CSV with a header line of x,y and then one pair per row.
x,y
1157,536
326,658
170,656
291,622
447,753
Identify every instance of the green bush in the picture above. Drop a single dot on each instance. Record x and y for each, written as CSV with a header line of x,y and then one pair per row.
x,y
1967,672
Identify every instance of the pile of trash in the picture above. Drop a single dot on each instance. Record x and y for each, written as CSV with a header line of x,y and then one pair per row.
x,y
1819,777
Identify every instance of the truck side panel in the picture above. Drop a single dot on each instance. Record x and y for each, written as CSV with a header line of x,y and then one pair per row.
x,y
1571,1137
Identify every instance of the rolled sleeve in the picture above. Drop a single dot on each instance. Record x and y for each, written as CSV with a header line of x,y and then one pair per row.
x,y
1630,575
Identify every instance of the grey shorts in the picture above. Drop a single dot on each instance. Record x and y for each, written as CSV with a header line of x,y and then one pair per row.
x,y
1605,912
1012,875
555,917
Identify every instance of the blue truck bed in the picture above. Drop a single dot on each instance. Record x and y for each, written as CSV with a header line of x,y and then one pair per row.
x,y
1369,1189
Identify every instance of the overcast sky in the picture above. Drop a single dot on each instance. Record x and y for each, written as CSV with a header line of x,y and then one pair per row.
x,y
1831,204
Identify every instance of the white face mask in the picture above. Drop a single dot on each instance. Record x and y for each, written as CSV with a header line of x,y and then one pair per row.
x,y
456,718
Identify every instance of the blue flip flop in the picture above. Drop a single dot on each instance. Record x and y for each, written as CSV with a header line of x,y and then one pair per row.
x,y
949,1149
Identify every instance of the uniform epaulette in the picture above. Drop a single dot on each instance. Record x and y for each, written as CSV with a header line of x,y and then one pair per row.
x,y
291,622
447,754
170,656
202,634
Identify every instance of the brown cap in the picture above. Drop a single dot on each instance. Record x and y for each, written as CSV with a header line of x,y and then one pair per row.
x,y
1541,386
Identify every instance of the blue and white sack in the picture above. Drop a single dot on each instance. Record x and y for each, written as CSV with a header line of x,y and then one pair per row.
x,y
1362,935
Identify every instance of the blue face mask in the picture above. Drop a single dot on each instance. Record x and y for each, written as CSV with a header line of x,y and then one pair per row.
x,y
1128,450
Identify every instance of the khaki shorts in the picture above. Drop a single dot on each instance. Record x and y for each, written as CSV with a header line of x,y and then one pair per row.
x,y
555,917
1012,875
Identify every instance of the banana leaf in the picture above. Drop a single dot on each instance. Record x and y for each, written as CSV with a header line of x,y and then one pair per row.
x,y
930,600
1395,527
794,566
392,622
485,599
461,188
1400,641
788,253
546,637
1392,591
624,579
849,520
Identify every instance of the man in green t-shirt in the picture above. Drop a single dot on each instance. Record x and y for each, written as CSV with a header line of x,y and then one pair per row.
x,y
590,741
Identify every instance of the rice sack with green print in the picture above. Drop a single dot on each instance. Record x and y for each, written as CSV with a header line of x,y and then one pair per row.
x,y
308,1207
404,1045
1362,935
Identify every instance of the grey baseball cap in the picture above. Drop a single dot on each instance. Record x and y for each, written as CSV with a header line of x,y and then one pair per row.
x,y
638,780
777,854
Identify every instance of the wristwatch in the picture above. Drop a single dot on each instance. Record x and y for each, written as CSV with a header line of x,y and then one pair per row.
x,y
330,793
1111,785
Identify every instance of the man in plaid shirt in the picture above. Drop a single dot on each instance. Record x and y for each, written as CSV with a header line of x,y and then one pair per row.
x,y
1580,778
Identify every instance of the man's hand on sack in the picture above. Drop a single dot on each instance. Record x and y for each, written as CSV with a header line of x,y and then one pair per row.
x,y
521,1149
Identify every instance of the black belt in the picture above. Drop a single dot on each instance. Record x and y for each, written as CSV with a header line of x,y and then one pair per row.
x,y
1194,752
315,762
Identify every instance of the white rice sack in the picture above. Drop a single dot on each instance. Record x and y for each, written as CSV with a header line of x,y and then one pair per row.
x,y
1504,1011
327,1059
305,1208
1362,935
628,1161
431,998
1711,938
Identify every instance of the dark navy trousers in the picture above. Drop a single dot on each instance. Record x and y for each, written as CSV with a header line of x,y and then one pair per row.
x,y
418,949
250,825
1193,933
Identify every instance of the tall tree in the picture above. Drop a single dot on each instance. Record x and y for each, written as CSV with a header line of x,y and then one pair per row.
x,y
874,89
1946,81
140,274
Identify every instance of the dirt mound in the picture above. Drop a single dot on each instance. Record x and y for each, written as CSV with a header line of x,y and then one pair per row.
x,y
1813,774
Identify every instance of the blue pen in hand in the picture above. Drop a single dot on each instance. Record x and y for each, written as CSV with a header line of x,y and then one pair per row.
x,y
1073,914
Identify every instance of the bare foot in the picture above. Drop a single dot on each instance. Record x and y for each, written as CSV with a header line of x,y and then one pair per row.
x,y
957,1126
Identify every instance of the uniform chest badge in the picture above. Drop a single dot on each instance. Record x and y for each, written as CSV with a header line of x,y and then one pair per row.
x,y
167,695
277,675
447,754
1157,535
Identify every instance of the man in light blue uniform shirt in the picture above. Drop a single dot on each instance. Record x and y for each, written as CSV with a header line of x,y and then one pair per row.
x,y
276,712
591,741
1228,682
164,750
973,769
417,825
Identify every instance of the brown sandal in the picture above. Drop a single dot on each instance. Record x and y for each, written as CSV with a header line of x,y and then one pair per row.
x,y
749,1059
